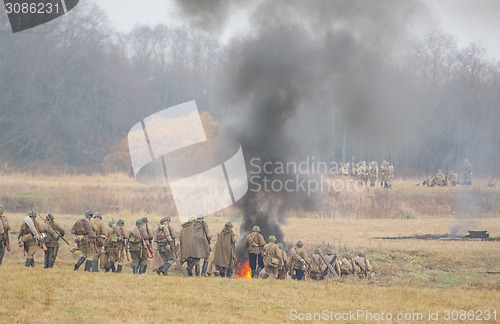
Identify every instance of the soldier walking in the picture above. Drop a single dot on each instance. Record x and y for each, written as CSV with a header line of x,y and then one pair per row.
x,y
85,238
53,231
199,246
4,234
101,234
225,251
116,247
164,240
139,250
30,237
254,242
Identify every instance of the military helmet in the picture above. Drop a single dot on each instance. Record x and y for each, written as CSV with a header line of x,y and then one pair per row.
x,y
299,244
361,254
329,251
281,246
145,220
49,217
139,222
165,219
256,228
272,238
111,222
98,215
200,216
120,222
228,225
89,214
32,213
191,219
1,210
346,255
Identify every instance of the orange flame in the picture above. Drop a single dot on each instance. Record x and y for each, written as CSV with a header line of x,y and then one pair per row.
x,y
243,270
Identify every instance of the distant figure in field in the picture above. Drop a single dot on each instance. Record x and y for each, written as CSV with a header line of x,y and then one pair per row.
x,y
116,246
164,240
4,234
439,179
373,173
273,259
199,246
30,237
467,173
101,234
52,229
225,251
85,239
254,242
137,237
298,262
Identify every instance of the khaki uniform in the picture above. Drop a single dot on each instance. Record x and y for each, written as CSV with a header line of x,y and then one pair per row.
x,y
101,235
282,271
30,240
163,240
225,252
116,247
274,260
85,239
184,240
137,237
373,173
298,261
51,242
254,242
199,246
4,236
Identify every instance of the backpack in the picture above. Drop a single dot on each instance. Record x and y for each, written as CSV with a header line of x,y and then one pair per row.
x,y
79,228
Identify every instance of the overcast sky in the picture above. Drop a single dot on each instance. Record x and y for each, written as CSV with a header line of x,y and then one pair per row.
x,y
468,20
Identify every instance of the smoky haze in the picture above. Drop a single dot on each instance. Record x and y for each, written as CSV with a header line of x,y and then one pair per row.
x,y
304,65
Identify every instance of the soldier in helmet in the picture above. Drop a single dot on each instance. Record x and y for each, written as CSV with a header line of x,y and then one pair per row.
x,y
30,237
136,239
373,173
282,271
101,234
298,260
184,238
273,259
225,251
4,234
85,238
254,242
116,247
199,246
467,172
53,230
164,239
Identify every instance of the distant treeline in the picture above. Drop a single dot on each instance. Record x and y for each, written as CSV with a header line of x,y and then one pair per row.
x,y
70,91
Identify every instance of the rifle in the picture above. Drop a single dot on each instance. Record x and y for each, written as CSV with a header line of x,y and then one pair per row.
x,y
146,246
58,233
36,234
175,255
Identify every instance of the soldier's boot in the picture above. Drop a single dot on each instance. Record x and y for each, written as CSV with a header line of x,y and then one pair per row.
x,y
1,256
51,263
134,269
159,270
88,265
165,268
222,272
45,261
109,266
119,268
28,263
190,265
229,273
257,272
95,265
204,268
189,271
79,263
197,270
32,262
143,269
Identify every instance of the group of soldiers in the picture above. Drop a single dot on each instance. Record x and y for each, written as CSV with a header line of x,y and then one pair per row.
x,y
271,261
105,247
371,173
450,178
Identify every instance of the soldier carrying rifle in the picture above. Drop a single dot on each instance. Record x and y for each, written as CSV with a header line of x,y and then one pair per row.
x,y
85,238
30,237
139,249
54,232
4,234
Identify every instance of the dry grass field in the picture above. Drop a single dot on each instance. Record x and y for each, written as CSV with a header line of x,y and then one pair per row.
x,y
412,276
